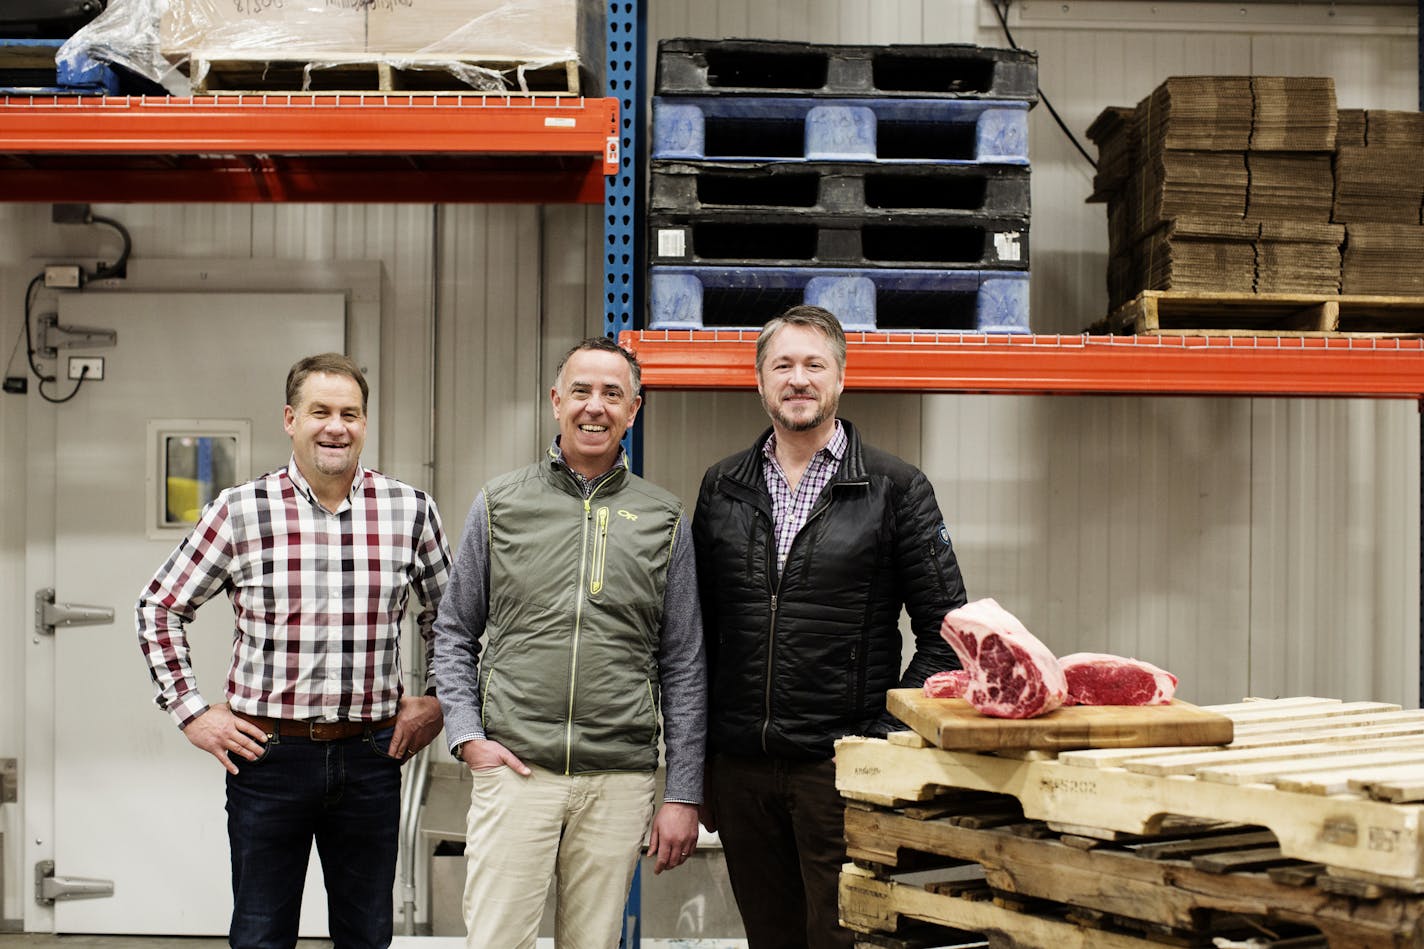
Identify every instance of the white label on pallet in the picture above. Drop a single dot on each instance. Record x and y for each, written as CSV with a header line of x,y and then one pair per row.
x,y
1006,245
551,121
672,242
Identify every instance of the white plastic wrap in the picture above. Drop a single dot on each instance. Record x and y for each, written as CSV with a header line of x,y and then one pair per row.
x,y
486,44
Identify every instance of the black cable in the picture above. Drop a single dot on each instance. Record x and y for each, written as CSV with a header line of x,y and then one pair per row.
x,y
1002,12
83,374
117,267
30,352
29,339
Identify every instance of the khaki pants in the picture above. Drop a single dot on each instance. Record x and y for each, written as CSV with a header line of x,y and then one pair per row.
x,y
586,831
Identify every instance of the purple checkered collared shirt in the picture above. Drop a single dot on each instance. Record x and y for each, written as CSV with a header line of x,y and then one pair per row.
x,y
790,509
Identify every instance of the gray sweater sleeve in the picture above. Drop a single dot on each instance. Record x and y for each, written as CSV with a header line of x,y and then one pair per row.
x,y
459,626
682,671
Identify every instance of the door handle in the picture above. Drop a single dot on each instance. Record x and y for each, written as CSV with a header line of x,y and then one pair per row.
x,y
49,614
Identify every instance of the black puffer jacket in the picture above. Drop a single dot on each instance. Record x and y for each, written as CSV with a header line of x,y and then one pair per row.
x,y
799,660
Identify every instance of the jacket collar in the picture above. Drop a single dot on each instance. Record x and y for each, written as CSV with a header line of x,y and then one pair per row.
x,y
558,473
747,472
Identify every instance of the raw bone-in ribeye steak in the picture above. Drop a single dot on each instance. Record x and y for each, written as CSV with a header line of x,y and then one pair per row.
x,y
1096,678
1011,673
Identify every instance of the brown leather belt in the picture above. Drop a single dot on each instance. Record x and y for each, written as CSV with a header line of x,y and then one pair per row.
x,y
316,731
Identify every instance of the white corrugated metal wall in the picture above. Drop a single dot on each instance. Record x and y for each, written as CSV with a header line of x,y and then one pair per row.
x,y
1261,546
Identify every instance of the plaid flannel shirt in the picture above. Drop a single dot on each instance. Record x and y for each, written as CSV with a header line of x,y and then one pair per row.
x,y
318,597
790,509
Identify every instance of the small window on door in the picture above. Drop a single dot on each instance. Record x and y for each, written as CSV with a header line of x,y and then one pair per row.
x,y
191,461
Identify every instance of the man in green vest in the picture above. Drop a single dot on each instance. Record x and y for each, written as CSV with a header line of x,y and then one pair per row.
x,y
569,628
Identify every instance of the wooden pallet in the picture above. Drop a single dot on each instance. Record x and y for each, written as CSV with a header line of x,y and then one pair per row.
x,y
358,72
1186,886
1317,773
1178,313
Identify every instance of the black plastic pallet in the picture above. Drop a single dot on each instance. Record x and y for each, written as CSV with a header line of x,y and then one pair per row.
x,y
790,239
932,189
769,67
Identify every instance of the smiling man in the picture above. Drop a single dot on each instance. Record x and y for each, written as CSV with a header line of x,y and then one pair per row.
x,y
319,559
569,629
808,545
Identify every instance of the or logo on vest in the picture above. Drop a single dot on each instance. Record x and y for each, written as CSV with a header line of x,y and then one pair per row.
x,y
628,514
943,534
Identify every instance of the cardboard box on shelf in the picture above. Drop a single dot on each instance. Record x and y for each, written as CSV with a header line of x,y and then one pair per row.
x,y
247,29
491,30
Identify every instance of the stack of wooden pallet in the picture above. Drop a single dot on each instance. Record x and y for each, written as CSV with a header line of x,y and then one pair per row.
x,y
1306,830
1209,176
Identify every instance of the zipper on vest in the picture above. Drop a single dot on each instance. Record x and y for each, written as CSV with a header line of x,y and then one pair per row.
x,y
600,552
578,625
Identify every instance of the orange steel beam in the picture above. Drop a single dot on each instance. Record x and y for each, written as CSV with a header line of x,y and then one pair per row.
x,y
1130,365
261,180
312,124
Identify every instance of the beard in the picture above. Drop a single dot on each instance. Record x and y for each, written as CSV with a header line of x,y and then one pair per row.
x,y
825,408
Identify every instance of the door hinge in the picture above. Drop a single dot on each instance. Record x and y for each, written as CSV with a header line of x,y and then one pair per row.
x,y
49,614
55,336
49,888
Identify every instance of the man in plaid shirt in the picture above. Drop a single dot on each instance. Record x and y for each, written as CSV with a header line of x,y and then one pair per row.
x,y
319,559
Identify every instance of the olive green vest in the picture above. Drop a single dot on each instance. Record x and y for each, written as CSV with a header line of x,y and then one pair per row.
x,y
570,673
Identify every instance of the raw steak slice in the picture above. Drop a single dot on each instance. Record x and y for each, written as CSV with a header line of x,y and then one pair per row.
x,y
1011,673
1096,678
947,685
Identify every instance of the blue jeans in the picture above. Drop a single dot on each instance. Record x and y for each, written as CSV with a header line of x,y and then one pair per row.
x,y
346,795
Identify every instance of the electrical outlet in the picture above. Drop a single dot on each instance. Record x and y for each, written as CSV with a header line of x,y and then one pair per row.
x,y
95,365
9,781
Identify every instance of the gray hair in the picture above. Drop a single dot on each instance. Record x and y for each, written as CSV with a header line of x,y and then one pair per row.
x,y
804,315
604,345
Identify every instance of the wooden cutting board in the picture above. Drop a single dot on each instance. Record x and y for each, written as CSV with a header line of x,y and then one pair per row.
x,y
955,724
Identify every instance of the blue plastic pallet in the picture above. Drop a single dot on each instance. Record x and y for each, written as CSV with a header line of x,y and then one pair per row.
x,y
885,130
28,67
990,301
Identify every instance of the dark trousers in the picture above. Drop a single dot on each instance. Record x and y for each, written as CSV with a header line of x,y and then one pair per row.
x,y
345,794
782,826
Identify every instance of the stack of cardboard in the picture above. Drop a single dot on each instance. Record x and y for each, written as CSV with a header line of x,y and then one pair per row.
x,y
1232,174
1383,184
1206,113
1293,114
1379,197
1383,259
1386,127
1351,128
1298,257
1201,253
1289,186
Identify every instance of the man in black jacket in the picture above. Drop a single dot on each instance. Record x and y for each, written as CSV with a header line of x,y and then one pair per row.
x,y
808,545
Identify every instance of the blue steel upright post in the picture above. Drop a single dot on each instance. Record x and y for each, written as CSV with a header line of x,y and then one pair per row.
x,y
623,193
622,238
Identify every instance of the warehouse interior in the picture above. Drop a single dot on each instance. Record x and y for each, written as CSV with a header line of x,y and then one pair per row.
x,y
1255,546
